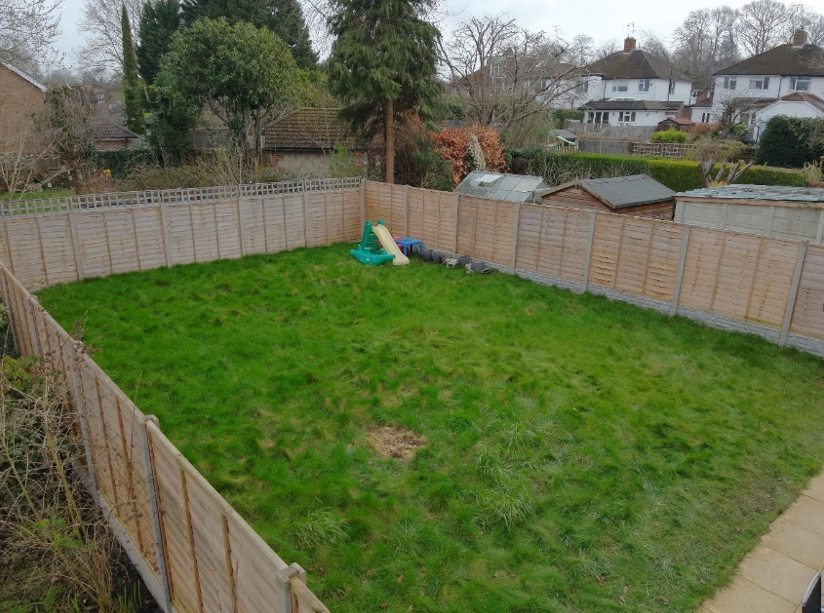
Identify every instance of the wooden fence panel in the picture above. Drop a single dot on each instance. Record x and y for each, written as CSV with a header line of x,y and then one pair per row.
x,y
335,217
254,230
701,268
204,232
122,240
26,258
316,230
529,231
606,245
274,219
227,223
773,281
808,317
55,235
665,253
737,272
181,235
180,561
94,246
303,600
351,208
148,228
562,241
295,222
633,256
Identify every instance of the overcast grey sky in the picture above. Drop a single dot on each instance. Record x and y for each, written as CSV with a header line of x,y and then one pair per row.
x,y
601,19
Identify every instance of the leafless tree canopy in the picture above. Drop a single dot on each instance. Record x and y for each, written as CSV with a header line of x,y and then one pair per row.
x,y
506,73
27,30
103,51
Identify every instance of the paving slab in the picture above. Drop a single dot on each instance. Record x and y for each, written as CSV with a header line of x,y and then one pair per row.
x,y
743,596
815,489
777,573
807,512
796,542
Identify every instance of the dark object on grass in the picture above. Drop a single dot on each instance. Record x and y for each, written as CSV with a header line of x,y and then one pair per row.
x,y
479,267
426,255
463,261
436,258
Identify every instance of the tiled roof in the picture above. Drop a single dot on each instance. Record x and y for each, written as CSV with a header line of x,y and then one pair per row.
x,y
681,121
632,190
784,60
306,128
759,192
627,104
104,130
811,99
636,64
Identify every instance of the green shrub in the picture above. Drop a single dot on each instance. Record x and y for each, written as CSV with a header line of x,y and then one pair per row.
x,y
671,135
790,143
678,175
123,162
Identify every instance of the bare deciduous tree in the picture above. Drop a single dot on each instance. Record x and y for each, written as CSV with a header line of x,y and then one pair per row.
x,y
27,29
506,73
705,42
760,25
101,24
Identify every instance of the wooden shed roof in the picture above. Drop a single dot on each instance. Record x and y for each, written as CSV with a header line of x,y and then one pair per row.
x,y
620,192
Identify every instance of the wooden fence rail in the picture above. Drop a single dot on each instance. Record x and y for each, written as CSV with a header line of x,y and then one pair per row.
x,y
768,286
195,553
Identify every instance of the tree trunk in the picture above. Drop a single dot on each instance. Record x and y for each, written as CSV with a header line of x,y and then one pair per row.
x,y
390,140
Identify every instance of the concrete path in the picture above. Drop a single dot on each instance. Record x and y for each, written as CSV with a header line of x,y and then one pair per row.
x,y
774,576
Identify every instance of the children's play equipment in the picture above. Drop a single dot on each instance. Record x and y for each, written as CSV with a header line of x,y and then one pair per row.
x,y
378,247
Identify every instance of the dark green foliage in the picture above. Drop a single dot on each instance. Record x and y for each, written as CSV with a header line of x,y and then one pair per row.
x,y
671,135
244,73
677,175
384,49
283,17
789,142
581,455
560,116
173,115
419,164
158,22
122,162
132,87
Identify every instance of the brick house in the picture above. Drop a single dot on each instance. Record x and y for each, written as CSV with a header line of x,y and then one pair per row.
x,y
21,96
638,195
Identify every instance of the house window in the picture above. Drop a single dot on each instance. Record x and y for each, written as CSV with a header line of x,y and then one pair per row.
x,y
730,82
671,87
626,117
643,85
705,117
800,84
620,86
598,117
760,83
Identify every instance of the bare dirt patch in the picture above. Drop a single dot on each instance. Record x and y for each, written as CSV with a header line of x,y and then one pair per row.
x,y
395,442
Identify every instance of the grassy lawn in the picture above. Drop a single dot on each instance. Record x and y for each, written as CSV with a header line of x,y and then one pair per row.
x,y
578,454
48,192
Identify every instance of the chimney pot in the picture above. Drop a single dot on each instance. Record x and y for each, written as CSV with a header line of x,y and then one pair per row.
x,y
629,44
800,38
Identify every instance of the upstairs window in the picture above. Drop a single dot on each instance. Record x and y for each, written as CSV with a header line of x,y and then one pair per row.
x,y
620,86
626,117
643,85
800,84
760,83
730,82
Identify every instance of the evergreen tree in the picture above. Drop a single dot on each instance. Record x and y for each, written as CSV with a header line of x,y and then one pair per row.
x,y
383,65
132,87
282,17
790,142
158,22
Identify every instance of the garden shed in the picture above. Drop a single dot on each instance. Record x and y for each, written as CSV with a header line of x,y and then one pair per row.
x,y
639,195
771,210
515,188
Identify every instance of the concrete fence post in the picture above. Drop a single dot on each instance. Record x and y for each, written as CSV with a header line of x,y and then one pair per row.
x,y
35,342
165,600
679,276
362,202
164,224
788,314
515,227
284,586
588,258
406,210
78,254
455,233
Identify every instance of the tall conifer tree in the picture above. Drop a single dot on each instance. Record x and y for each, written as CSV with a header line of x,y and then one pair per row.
x,y
383,65
158,22
132,88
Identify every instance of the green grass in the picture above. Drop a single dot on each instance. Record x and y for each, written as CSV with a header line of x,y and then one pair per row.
x,y
582,455
48,192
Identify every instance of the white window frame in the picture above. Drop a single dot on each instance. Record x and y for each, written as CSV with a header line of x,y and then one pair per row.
x,y
644,85
796,81
760,83
671,89
626,117
730,82
620,86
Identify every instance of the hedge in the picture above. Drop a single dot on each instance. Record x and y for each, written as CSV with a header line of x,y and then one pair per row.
x,y
678,175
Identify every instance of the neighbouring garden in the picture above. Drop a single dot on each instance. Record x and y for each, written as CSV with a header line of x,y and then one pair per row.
x,y
423,440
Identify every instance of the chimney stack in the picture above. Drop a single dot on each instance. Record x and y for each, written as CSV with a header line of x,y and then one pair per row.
x,y
799,38
629,44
